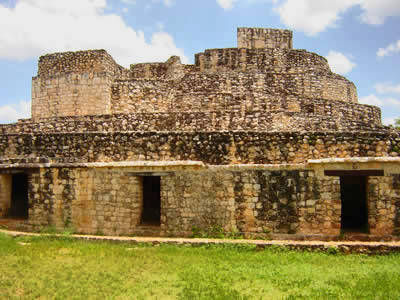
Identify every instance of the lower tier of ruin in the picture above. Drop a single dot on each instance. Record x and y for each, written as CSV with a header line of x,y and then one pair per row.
x,y
323,197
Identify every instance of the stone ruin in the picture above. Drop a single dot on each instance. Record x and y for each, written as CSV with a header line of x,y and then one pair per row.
x,y
259,139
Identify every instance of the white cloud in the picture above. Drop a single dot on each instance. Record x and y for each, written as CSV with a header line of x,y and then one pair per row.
x,y
312,16
389,50
374,100
339,63
226,4
12,112
36,27
387,88
371,100
389,103
388,121
315,16
376,11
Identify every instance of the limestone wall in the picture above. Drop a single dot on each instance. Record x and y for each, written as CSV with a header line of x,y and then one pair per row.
x,y
217,148
71,94
384,204
228,92
262,72
286,116
74,83
266,202
259,201
264,38
260,60
198,200
89,200
90,61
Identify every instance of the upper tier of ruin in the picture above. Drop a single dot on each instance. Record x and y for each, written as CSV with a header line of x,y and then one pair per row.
x,y
263,80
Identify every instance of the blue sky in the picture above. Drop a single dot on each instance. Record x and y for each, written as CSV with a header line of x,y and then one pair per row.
x,y
360,38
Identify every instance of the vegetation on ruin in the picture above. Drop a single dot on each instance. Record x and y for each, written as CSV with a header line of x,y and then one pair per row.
x,y
62,268
397,123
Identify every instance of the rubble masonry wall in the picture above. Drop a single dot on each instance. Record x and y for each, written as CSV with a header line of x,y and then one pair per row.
x,y
109,201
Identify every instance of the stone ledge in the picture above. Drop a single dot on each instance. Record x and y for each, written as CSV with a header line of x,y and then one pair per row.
x,y
197,165
241,167
354,160
125,164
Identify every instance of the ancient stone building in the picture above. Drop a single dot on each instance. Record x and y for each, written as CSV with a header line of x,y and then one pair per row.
x,y
257,139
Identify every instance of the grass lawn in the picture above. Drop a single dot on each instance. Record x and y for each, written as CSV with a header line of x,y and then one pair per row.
x,y
62,268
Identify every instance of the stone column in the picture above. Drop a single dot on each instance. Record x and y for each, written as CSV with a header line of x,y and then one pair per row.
x,y
5,193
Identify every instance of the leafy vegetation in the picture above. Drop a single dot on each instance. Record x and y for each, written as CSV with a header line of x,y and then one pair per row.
x,y
215,232
63,268
397,123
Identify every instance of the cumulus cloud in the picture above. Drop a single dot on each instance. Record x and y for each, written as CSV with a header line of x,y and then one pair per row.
x,y
35,27
315,16
389,50
312,16
339,63
226,4
372,99
392,103
376,11
12,112
387,88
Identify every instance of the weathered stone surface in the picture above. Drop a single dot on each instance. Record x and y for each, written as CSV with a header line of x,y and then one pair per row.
x,y
210,147
240,140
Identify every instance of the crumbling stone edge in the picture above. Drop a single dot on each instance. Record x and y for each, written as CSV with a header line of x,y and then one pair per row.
x,y
332,247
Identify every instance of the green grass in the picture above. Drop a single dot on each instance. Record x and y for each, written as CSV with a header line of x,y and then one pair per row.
x,y
62,268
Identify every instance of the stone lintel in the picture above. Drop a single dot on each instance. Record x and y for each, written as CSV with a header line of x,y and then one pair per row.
x,y
388,165
368,172
140,165
148,173
242,167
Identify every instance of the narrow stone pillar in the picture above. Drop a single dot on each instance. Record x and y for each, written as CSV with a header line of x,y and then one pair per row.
x,y
5,194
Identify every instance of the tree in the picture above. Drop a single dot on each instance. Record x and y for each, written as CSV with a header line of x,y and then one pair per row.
x,y
397,124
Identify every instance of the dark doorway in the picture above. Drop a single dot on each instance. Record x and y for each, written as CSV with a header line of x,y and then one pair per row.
x,y
19,196
151,200
354,203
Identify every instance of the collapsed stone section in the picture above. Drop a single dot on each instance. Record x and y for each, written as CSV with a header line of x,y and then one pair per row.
x,y
172,69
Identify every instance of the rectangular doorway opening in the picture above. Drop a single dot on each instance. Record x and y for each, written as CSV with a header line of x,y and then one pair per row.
x,y
353,190
151,200
19,206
